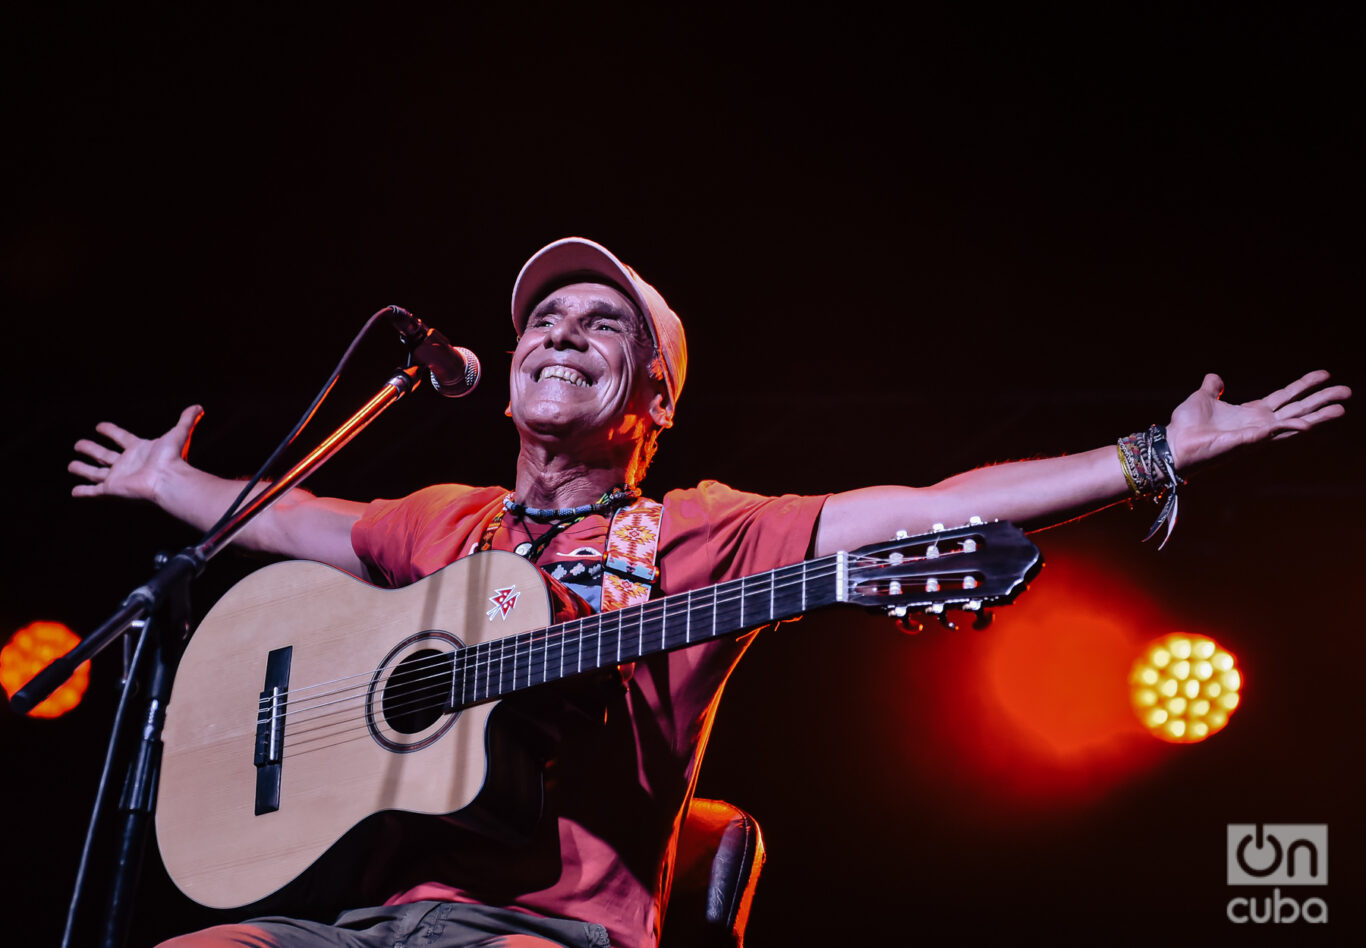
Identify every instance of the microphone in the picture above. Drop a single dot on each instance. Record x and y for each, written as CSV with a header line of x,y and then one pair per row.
x,y
454,370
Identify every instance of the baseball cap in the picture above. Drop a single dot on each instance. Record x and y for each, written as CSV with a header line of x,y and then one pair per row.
x,y
577,259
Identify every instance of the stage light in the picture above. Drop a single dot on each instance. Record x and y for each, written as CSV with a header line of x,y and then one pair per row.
x,y
1184,687
32,649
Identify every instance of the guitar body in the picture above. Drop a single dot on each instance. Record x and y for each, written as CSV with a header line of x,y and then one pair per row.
x,y
344,758
309,701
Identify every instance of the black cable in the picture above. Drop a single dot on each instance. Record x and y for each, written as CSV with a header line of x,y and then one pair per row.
x,y
302,423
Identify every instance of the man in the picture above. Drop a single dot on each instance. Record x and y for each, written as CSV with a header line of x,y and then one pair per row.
x,y
596,375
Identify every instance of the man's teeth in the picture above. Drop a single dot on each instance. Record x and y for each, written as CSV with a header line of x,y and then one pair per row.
x,y
565,374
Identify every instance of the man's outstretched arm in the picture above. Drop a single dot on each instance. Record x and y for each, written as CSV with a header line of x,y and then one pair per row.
x,y
1040,493
299,525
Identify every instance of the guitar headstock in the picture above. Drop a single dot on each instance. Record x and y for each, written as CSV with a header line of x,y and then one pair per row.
x,y
971,567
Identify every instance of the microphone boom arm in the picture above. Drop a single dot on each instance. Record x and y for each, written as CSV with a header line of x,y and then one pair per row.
x,y
190,561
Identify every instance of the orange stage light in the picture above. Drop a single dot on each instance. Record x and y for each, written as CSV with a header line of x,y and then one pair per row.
x,y
32,649
1033,714
1036,713
1184,687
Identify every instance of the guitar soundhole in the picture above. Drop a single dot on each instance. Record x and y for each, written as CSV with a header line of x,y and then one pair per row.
x,y
415,694
407,706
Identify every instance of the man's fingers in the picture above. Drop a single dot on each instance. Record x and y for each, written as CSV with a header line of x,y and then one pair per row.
x,y
124,439
1326,413
87,490
89,471
188,419
1288,427
1213,385
1314,401
1283,396
96,451
184,428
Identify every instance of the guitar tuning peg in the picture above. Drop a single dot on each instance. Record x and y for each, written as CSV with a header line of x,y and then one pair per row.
x,y
974,521
947,623
909,626
983,619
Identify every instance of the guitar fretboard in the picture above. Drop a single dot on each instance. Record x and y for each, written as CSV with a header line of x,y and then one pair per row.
x,y
500,667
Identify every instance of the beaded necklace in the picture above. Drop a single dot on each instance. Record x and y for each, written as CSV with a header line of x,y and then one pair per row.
x,y
559,518
616,497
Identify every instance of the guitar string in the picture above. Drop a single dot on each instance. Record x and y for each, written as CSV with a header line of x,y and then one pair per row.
x,y
494,657
342,730
807,575
652,606
649,610
420,693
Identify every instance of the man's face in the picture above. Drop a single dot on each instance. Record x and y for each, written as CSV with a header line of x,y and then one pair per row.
x,y
581,368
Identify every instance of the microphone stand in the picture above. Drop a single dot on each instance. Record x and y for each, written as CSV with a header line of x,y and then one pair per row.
x,y
168,592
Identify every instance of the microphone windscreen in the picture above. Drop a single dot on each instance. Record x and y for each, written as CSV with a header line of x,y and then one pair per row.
x,y
461,386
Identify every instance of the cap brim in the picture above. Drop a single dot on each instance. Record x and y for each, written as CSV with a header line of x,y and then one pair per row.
x,y
573,260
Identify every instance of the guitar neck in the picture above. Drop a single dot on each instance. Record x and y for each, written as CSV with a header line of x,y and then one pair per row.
x,y
500,667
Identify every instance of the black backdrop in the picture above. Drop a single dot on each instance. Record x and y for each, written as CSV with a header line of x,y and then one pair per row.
x,y
903,246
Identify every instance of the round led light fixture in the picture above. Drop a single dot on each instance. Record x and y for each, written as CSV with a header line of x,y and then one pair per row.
x,y
29,651
1184,687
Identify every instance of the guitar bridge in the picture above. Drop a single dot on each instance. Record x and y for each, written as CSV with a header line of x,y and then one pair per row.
x,y
270,730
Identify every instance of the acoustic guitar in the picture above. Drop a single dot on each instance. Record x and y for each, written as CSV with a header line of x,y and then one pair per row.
x,y
308,700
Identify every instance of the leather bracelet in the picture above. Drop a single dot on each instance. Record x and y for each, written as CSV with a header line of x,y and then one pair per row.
x,y
1128,474
1150,468
1134,456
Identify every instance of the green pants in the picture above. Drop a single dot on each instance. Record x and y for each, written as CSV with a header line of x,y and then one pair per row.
x,y
417,925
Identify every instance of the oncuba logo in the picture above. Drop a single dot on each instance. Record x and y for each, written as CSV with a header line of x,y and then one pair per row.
x,y
1277,854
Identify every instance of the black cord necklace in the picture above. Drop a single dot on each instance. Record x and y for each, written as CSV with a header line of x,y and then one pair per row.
x,y
559,519
617,497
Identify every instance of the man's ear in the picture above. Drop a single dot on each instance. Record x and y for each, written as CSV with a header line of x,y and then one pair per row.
x,y
660,412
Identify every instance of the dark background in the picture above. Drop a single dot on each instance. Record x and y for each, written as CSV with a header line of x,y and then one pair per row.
x,y
904,242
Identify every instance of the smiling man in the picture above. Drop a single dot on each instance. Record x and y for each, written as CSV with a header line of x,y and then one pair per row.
x,y
596,376
588,385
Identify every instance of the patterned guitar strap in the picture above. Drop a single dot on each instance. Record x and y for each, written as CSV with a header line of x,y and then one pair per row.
x,y
629,572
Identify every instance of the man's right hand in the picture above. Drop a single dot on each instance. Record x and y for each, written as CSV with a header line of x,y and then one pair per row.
x,y
299,525
136,467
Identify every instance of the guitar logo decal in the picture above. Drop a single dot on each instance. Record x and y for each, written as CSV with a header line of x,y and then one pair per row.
x,y
503,602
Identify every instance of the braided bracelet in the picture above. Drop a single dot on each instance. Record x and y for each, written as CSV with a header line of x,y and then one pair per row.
x,y
1150,469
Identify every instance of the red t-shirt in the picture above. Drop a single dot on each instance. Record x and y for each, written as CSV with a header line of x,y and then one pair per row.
x,y
614,801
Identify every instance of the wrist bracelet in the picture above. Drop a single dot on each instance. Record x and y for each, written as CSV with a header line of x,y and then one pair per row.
x,y
1150,468
1124,452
